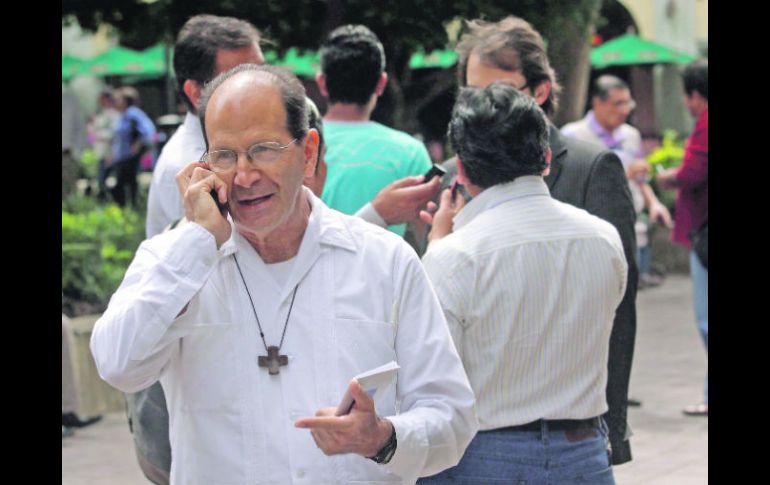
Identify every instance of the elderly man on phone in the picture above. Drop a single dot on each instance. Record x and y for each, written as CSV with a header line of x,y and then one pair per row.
x,y
255,318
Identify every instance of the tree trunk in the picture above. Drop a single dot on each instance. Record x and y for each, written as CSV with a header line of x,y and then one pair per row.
x,y
569,49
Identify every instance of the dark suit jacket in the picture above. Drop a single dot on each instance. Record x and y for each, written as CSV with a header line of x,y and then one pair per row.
x,y
591,177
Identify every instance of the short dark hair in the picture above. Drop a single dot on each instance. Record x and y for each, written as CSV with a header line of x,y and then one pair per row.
x,y
352,60
195,51
511,44
499,134
315,120
604,84
292,95
696,78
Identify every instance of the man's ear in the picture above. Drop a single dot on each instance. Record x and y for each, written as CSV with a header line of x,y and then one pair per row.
x,y
320,79
542,91
461,177
311,152
193,91
381,83
548,156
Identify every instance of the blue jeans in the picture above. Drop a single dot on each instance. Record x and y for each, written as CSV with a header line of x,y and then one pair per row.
x,y
700,297
643,259
533,458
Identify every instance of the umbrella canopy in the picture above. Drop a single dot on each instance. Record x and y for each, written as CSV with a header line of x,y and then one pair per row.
x,y
121,61
156,55
305,63
631,49
72,66
437,58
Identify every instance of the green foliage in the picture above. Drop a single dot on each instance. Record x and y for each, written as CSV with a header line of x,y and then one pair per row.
x,y
670,153
98,243
89,163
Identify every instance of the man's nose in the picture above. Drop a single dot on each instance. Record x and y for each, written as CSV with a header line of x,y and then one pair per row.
x,y
246,174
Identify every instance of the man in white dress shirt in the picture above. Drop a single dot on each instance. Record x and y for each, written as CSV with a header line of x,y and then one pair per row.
x,y
529,286
257,316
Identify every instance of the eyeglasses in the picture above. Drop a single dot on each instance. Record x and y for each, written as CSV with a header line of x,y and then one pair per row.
x,y
259,154
629,105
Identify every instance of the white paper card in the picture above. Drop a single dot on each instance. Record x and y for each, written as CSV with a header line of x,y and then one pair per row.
x,y
374,382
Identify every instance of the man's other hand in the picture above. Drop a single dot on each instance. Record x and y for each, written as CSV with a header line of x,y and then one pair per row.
x,y
361,432
441,220
401,200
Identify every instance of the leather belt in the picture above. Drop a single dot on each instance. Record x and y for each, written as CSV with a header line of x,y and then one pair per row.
x,y
554,425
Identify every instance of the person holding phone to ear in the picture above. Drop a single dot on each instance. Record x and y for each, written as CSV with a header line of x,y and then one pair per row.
x,y
529,286
257,320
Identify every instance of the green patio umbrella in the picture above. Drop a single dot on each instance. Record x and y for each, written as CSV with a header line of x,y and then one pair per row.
x,y
156,55
122,61
307,63
301,63
437,58
631,49
72,66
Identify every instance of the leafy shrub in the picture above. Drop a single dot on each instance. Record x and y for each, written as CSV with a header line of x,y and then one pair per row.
x,y
89,164
98,243
669,155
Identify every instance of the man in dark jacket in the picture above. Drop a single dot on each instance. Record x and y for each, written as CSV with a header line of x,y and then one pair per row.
x,y
582,174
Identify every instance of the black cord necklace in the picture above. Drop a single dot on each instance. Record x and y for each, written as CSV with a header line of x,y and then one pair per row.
x,y
273,360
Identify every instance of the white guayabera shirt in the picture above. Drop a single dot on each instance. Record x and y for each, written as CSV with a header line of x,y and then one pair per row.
x,y
363,300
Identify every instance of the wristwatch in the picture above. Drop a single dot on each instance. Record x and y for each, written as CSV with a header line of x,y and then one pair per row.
x,y
387,451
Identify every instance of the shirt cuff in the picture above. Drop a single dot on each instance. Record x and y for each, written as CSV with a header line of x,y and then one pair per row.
x,y
411,449
370,214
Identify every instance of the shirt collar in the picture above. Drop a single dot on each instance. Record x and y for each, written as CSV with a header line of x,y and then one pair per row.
x,y
611,139
525,186
192,122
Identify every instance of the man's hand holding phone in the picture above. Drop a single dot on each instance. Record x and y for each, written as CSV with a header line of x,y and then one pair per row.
x,y
450,203
198,184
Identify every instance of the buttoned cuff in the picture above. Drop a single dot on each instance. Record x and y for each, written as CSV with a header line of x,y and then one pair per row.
x,y
412,449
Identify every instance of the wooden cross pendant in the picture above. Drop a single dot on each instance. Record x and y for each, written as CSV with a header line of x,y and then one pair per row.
x,y
273,360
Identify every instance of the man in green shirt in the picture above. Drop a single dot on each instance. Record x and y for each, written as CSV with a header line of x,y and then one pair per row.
x,y
363,156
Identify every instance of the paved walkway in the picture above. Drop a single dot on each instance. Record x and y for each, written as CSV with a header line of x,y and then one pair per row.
x,y
668,448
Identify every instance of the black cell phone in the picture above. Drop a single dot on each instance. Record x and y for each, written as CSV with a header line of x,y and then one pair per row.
x,y
434,170
456,186
222,207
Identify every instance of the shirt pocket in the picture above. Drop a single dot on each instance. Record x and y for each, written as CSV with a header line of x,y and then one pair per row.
x,y
362,345
208,367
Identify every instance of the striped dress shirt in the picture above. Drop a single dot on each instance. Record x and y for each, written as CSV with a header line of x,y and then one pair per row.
x,y
529,286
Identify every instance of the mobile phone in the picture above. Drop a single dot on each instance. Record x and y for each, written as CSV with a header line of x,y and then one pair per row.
x,y
222,207
456,186
434,170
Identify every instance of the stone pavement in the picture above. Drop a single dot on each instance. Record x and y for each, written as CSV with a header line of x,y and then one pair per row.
x,y
668,448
